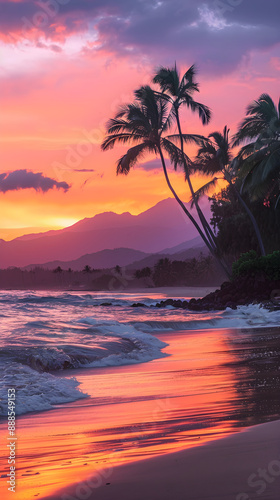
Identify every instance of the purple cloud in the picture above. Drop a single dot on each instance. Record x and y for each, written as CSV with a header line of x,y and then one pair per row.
x,y
23,179
152,165
215,34
83,170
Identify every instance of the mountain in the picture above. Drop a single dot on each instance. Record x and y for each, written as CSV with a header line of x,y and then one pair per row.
x,y
187,245
162,226
99,260
126,257
188,253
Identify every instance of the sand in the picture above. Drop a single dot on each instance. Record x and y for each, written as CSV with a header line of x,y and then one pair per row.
x,y
240,467
158,409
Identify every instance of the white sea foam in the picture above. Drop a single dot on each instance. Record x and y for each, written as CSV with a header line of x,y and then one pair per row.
x,y
26,367
43,333
36,391
146,347
243,317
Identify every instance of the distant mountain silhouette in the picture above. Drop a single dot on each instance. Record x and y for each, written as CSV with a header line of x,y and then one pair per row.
x,y
126,257
99,260
162,226
186,245
190,252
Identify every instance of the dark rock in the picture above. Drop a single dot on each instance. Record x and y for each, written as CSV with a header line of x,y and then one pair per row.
x,y
192,301
169,302
242,291
232,305
226,284
178,303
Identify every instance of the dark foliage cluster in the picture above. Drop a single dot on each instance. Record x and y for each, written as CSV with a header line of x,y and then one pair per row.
x,y
251,264
235,233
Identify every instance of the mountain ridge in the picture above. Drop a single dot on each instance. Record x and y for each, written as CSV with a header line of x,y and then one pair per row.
x,y
161,226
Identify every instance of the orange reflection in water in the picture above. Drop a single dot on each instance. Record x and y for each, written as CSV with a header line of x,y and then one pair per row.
x,y
133,412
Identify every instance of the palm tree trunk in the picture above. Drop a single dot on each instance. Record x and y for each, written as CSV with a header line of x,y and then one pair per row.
x,y
206,226
209,233
207,243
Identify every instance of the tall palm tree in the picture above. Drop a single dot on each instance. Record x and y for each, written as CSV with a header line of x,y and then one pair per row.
x,y
214,158
144,123
179,92
259,158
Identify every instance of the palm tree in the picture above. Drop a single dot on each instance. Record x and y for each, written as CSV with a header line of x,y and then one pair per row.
x,y
179,93
57,270
143,123
118,269
215,157
259,158
87,269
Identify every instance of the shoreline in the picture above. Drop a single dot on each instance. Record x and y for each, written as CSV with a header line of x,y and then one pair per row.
x,y
241,466
184,401
176,291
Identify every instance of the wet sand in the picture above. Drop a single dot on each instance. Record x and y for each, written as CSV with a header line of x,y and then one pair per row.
x,y
213,383
240,467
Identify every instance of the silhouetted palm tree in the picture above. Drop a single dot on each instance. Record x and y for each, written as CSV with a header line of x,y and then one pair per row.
x,y
57,270
118,269
214,158
144,122
179,92
259,159
87,269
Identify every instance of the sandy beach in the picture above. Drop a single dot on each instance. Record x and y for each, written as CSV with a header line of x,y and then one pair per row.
x,y
165,429
240,467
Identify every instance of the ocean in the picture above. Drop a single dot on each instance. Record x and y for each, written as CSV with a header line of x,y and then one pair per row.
x,y
45,336
99,383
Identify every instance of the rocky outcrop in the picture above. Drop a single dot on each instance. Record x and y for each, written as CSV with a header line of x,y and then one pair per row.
x,y
242,291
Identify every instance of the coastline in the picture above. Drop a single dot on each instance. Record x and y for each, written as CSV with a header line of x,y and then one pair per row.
x,y
168,291
242,466
158,409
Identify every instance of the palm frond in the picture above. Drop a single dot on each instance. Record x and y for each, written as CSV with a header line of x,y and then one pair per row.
x,y
203,190
168,80
175,154
203,111
188,138
132,156
271,165
122,138
261,117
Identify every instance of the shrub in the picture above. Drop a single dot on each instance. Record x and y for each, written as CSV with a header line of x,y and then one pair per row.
x,y
250,263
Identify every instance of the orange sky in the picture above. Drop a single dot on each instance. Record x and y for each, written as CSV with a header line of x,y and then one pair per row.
x,y
53,108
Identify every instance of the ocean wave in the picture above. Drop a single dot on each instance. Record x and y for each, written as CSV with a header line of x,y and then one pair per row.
x,y
35,391
27,368
109,351
243,317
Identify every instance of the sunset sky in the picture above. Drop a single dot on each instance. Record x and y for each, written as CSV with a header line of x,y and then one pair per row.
x,y
66,66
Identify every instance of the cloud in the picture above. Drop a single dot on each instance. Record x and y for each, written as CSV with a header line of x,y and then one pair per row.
x,y
23,179
152,165
83,170
216,34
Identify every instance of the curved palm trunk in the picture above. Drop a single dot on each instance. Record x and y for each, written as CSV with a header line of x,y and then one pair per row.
x,y
209,246
251,216
206,226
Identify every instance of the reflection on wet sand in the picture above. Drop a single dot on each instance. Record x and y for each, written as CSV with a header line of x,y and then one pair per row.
x,y
212,383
